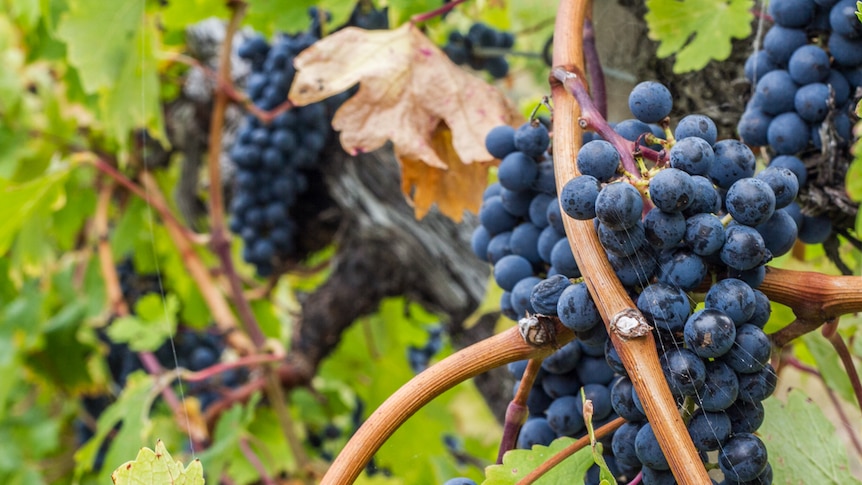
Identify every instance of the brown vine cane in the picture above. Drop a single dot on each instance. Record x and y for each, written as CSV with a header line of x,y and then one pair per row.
x,y
638,354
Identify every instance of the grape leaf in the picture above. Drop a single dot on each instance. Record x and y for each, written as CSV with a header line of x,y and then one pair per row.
x,y
154,322
802,444
24,201
458,188
518,463
697,31
407,88
158,468
829,365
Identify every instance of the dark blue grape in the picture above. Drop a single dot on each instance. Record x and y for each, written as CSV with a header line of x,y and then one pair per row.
x,y
758,64
650,102
516,203
632,129
536,431
619,206
647,449
576,308
665,306
623,402
578,197
554,215
599,159
563,416
793,164
546,294
758,386
524,241
521,296
498,246
563,360
750,352
776,90
745,416
511,269
594,370
547,240
808,64
558,385
743,457
750,201
779,233
753,127
693,155
517,171
843,19
709,333
846,52
700,126
704,234
709,430
733,298
532,138
623,444
783,182
780,43
538,209
812,102
622,243
744,248
479,242
815,230
563,260
671,190
683,268
663,230
706,198
684,371
494,216
733,161
720,388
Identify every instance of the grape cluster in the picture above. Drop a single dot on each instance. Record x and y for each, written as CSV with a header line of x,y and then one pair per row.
x,y
275,162
700,217
481,49
419,357
805,87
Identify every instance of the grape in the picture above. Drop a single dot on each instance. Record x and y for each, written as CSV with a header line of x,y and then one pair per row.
x,y
663,230
460,481
783,182
650,102
812,102
631,130
745,416
547,293
563,416
708,430
758,64
742,457
750,201
753,127
779,233
793,164
578,197
808,64
733,298
492,190
536,431
720,388
759,385
622,243
623,444
762,309
775,91
563,261
521,295
750,352
763,478
599,159
665,306
594,370
554,215
622,401
545,181
517,368
706,198
651,476
524,240
696,125
843,20
498,246
647,449
532,138
671,190
792,13
517,171
576,308
494,216
781,42
612,357
497,67
538,209
511,269
845,51
684,371
704,234
516,203
692,155
744,248
733,161
563,360
636,269
709,333
684,269
619,206
814,230
559,385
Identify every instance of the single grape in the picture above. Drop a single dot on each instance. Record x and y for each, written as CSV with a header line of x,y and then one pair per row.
x,y
720,388
650,102
684,371
743,457
692,155
671,190
709,333
750,352
563,416
709,430
619,206
758,386
517,171
578,197
647,449
532,138
733,298
576,308
599,159
536,431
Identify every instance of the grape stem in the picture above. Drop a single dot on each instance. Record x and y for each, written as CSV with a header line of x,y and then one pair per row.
x,y
598,90
422,17
847,360
639,355
517,411
572,79
570,450
255,462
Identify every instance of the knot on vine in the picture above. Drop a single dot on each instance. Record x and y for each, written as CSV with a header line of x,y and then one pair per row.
x,y
629,323
538,330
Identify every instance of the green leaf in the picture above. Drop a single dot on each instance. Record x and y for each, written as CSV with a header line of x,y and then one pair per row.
x,y
157,468
132,410
829,365
155,321
859,11
100,39
28,200
697,31
61,357
518,463
802,444
179,14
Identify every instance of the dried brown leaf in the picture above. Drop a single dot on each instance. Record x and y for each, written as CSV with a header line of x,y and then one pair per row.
x,y
407,87
454,190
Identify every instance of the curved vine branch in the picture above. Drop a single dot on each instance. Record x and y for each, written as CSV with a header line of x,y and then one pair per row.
x,y
492,352
638,353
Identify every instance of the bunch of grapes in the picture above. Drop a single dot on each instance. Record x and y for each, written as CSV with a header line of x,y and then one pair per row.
x,y
275,162
482,49
696,218
806,80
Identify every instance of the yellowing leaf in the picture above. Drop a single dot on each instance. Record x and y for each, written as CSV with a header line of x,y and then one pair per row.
x,y
407,87
158,468
454,189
